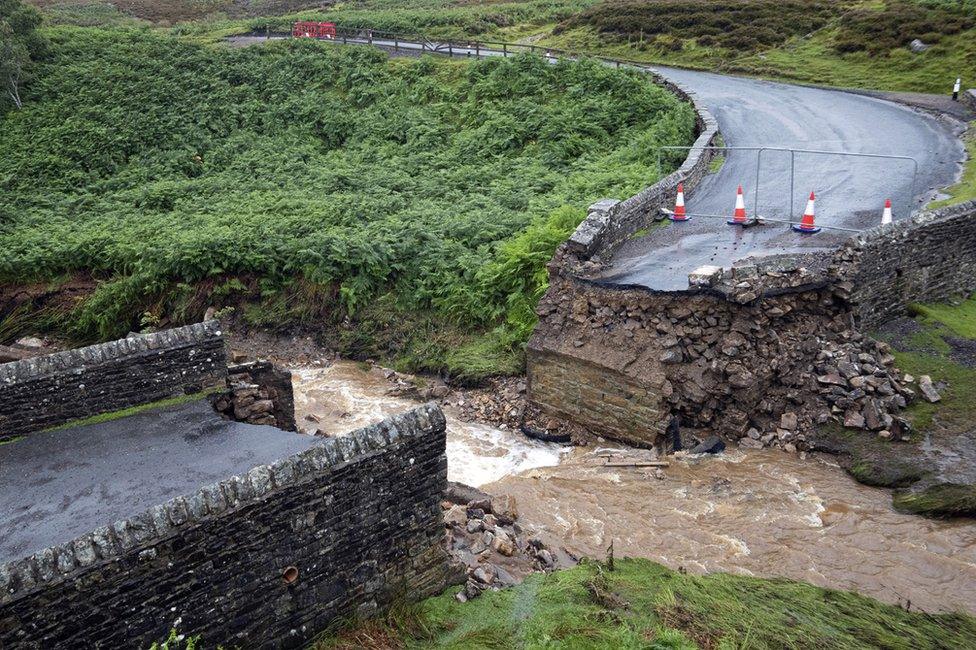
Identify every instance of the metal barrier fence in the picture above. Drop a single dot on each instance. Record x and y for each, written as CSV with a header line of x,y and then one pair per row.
x,y
793,151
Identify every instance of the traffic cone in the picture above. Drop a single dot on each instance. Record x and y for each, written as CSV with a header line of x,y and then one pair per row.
x,y
886,215
806,223
739,216
679,205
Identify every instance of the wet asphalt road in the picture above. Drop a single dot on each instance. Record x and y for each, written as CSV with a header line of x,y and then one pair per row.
x,y
850,190
58,485
753,113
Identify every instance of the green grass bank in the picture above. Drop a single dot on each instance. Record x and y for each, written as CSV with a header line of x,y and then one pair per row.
x,y
641,604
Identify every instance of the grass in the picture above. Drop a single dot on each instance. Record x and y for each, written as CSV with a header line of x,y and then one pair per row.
x,y
959,318
940,500
930,353
642,604
134,410
718,161
875,461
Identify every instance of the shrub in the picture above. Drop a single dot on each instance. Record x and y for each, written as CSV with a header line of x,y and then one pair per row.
x,y
737,25
898,22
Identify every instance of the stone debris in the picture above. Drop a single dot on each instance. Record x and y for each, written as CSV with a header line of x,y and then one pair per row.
x,y
711,445
258,393
761,356
928,390
483,535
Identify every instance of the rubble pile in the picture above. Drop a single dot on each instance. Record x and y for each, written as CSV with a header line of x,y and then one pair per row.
x,y
257,392
247,402
760,355
483,535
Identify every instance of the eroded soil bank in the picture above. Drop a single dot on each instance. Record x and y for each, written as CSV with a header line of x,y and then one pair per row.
x,y
764,513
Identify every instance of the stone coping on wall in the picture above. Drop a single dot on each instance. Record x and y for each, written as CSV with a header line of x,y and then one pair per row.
x,y
606,224
112,541
903,227
69,360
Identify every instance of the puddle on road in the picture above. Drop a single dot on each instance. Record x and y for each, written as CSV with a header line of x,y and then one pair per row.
x,y
765,513
346,397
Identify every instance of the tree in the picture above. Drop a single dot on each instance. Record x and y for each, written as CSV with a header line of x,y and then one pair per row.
x,y
20,45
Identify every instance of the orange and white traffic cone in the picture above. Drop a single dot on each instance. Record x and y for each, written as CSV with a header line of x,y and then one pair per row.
x,y
679,205
739,217
806,223
886,215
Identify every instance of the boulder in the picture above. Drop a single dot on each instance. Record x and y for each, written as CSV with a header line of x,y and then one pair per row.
x,y
917,46
505,508
928,389
853,419
788,421
503,545
463,494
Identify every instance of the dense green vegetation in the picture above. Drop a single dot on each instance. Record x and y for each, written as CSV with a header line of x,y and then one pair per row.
x,y
743,25
308,183
898,22
641,604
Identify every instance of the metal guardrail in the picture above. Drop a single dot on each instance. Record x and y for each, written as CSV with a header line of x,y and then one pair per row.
x,y
461,48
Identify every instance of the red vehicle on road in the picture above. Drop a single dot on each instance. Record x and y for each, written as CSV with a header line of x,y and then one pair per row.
x,y
310,29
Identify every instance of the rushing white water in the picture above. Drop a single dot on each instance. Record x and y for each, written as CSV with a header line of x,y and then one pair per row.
x,y
345,396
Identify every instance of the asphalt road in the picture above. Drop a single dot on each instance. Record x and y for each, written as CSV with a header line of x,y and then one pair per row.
x,y
58,485
850,190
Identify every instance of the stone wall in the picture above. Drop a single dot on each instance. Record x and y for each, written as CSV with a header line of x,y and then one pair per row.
x,y
610,222
44,392
968,97
602,397
258,392
929,257
267,559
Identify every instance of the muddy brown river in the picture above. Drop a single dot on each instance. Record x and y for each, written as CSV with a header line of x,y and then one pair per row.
x,y
762,513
